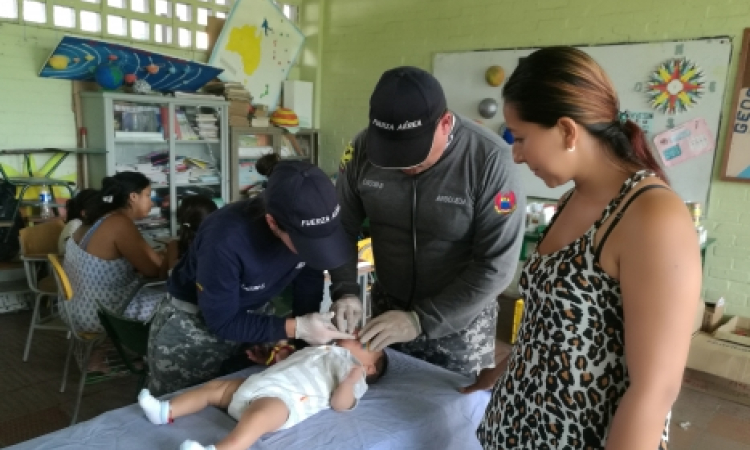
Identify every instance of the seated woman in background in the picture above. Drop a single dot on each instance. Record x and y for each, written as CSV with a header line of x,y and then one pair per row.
x,y
105,253
74,217
190,214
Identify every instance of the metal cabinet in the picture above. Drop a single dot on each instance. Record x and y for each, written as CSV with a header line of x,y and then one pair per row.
x,y
249,144
181,144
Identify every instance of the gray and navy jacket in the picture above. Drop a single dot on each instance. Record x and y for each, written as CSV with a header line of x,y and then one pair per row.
x,y
446,242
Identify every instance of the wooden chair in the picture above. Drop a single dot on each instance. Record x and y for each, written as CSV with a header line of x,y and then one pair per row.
x,y
82,343
36,242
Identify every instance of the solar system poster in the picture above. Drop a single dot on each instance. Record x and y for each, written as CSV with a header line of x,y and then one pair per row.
x,y
77,58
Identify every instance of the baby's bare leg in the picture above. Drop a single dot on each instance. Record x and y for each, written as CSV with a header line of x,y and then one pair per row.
x,y
262,416
214,393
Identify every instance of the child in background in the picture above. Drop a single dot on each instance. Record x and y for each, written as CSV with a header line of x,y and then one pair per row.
x,y
336,375
190,214
74,217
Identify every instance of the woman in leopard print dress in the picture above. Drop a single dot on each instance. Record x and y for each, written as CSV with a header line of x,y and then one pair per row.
x,y
606,328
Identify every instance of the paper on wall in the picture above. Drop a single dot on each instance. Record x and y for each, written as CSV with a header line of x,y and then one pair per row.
x,y
684,142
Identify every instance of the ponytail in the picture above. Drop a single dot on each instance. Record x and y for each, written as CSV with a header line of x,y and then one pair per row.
x,y
266,163
114,195
75,206
641,151
629,145
190,213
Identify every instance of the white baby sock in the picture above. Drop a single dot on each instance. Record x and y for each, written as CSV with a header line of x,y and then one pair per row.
x,y
192,445
157,411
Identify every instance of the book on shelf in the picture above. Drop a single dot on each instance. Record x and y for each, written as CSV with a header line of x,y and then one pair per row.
x,y
239,122
201,163
164,113
239,108
185,129
219,86
140,135
261,122
199,95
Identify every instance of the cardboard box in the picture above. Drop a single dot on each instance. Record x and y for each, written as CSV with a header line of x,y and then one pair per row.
x,y
713,315
716,357
717,386
698,322
298,96
737,330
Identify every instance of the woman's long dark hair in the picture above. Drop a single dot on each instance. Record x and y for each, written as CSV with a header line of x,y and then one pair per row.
x,y
557,82
75,206
114,195
191,212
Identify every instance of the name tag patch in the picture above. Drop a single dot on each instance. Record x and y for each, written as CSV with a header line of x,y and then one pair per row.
x,y
257,287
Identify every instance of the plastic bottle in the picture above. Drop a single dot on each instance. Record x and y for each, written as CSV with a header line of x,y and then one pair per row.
x,y
45,203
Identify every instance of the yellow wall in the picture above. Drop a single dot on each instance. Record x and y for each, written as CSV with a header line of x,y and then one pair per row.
x,y
362,38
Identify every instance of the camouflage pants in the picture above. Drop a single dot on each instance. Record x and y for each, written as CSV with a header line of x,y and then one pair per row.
x,y
182,352
465,352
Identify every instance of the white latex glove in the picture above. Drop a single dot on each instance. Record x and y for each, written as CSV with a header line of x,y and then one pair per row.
x,y
389,328
317,329
348,312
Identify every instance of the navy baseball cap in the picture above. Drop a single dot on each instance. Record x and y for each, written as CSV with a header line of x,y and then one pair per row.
x,y
303,201
404,111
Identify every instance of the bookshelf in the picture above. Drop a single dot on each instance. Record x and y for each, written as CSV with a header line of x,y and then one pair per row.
x,y
180,143
249,144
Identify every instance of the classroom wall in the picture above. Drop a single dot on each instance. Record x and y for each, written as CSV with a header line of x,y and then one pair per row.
x,y
34,111
362,38
37,112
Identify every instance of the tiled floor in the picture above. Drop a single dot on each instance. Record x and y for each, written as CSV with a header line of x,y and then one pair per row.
x,y
31,403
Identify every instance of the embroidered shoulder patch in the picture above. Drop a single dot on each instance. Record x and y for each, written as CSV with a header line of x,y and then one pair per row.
x,y
505,202
346,157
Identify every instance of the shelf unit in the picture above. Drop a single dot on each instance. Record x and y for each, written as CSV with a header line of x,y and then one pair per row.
x,y
249,144
165,146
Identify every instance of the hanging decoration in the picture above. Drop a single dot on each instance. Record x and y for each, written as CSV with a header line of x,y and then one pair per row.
x,y
676,86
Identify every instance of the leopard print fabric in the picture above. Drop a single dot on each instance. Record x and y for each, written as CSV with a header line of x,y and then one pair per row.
x,y
567,372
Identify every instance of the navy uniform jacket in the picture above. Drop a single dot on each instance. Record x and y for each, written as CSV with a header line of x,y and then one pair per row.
x,y
235,264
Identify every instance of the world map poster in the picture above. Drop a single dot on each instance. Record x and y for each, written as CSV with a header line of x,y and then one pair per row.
x,y
257,47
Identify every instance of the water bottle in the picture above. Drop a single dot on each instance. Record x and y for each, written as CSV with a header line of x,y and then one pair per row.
x,y
45,206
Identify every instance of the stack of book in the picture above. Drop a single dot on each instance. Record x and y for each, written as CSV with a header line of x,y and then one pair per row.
x,y
188,169
239,100
205,126
260,117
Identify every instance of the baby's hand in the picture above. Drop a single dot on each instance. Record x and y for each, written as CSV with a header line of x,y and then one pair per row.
x,y
355,375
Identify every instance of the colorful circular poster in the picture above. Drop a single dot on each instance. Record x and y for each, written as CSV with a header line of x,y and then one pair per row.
x,y
676,86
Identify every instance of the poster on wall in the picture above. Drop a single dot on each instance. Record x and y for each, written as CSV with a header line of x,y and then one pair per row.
x,y
684,142
257,47
75,58
645,120
736,164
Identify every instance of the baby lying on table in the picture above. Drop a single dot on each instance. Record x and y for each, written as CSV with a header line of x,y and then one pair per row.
x,y
309,381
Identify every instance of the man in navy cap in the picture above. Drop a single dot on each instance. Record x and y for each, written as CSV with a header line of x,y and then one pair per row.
x,y
446,213
242,257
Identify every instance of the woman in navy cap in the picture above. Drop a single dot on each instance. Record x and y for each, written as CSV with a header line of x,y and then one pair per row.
x,y
243,256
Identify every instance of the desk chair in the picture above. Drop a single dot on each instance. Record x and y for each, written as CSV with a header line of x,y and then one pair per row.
x,y
36,242
82,343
